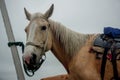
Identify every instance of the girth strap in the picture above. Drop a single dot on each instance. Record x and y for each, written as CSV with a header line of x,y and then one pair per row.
x,y
110,45
104,59
114,63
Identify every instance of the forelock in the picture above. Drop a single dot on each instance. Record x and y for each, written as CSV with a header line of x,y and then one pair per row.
x,y
37,15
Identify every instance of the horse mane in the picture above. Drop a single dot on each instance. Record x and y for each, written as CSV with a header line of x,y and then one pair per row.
x,y
70,40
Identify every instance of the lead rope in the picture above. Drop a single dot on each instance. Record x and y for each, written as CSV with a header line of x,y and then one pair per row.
x,y
17,44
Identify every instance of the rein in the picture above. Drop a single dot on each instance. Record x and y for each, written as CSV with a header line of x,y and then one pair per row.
x,y
30,71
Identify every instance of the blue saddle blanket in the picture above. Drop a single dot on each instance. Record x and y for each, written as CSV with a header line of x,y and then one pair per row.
x,y
112,32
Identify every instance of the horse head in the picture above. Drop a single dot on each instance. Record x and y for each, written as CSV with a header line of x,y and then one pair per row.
x,y
38,39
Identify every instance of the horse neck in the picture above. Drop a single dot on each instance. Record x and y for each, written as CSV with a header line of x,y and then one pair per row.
x,y
66,43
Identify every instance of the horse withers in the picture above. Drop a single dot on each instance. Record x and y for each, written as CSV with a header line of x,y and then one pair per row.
x,y
70,48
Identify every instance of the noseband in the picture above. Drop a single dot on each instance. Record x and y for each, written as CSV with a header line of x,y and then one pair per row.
x,y
30,71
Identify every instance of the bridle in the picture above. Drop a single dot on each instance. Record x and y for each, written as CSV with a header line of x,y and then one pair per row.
x,y
30,71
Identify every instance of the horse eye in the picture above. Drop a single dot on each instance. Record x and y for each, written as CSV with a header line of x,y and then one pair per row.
x,y
43,28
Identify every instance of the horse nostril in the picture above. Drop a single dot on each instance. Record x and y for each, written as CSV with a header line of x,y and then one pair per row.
x,y
33,59
27,59
34,56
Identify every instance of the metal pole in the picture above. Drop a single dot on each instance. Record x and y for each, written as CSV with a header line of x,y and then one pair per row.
x,y
11,38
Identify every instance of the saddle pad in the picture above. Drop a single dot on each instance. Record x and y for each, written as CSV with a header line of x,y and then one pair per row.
x,y
112,32
99,42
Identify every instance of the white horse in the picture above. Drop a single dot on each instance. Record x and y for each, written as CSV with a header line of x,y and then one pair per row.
x,y
70,48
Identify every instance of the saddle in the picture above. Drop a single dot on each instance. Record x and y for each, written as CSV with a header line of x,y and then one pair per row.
x,y
107,40
107,46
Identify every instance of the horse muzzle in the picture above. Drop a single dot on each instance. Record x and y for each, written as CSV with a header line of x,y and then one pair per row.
x,y
31,66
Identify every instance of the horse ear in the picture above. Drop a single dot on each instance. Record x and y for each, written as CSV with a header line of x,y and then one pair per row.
x,y
49,12
28,15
